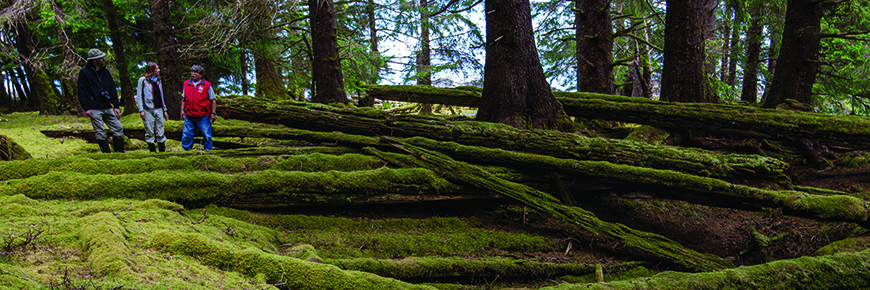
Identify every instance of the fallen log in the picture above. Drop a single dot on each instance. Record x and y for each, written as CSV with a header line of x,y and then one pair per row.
x,y
370,122
88,135
841,130
838,271
146,163
829,206
9,150
651,244
262,189
458,269
284,272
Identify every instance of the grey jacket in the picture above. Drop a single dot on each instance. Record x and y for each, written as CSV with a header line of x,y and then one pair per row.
x,y
145,95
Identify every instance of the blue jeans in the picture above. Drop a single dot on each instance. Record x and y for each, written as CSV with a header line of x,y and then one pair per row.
x,y
203,125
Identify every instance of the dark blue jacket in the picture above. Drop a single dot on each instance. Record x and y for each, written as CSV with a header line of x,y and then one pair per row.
x,y
91,84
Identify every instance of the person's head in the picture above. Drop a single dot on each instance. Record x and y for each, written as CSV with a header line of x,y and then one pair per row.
x,y
95,58
151,69
196,72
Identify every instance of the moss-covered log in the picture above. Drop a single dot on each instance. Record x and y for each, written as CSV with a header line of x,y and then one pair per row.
x,y
651,244
262,189
370,122
843,130
462,96
459,269
9,150
834,207
284,272
146,163
838,271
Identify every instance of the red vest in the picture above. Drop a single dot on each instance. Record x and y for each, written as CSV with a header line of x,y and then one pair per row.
x,y
196,102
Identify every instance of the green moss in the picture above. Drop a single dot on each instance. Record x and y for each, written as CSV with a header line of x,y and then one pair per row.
x,y
648,134
455,267
293,273
199,187
103,237
336,237
838,271
143,163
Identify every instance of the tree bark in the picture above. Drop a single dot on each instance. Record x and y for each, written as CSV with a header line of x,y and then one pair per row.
x,y
797,66
270,83
515,91
753,54
167,56
424,58
36,83
683,75
594,46
243,64
17,85
326,67
726,34
127,94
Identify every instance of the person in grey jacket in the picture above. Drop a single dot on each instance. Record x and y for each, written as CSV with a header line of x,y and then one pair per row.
x,y
152,108
99,98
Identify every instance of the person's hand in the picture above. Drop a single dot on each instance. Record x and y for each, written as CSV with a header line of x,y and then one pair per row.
x,y
142,114
117,112
166,116
88,112
212,117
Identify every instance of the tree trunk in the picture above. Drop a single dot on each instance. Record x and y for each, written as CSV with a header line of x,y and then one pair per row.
x,y
424,58
69,68
515,91
594,46
326,63
732,62
167,56
708,18
36,84
373,41
726,34
270,83
753,54
683,76
5,97
776,29
797,66
17,86
127,93
243,63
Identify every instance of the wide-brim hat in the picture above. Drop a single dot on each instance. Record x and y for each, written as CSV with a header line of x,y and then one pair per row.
x,y
95,54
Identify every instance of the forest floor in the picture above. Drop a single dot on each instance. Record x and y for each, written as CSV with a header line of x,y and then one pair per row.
x,y
744,237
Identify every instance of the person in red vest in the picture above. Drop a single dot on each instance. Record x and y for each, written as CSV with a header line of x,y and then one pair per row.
x,y
198,108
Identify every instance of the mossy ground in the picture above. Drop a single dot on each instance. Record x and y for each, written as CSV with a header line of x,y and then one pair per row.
x,y
156,244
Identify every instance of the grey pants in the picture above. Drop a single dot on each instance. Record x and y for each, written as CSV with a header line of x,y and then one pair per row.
x,y
154,126
102,118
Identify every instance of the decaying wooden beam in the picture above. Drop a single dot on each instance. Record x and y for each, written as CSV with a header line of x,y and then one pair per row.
x,y
370,122
652,244
841,130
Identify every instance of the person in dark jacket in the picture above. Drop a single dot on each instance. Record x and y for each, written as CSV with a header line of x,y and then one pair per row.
x,y
99,98
198,109
152,108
